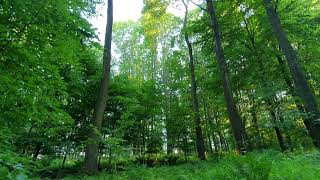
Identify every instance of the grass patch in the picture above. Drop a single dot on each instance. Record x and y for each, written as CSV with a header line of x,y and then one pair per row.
x,y
254,166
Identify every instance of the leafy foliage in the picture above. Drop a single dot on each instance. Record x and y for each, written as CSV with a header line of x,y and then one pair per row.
x,y
50,68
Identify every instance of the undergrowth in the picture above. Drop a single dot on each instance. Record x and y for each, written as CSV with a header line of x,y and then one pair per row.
x,y
254,166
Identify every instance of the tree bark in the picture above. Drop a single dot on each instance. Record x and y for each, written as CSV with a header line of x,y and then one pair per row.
x,y
290,85
91,156
235,119
195,103
300,82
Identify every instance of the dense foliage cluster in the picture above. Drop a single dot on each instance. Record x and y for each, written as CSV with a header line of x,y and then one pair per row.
x,y
221,79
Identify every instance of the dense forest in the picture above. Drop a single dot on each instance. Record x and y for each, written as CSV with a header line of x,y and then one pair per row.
x,y
228,90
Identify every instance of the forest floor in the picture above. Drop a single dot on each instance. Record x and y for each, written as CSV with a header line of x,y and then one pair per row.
x,y
254,166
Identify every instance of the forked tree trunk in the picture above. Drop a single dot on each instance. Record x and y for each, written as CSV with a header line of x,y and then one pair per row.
x,y
300,82
91,157
235,119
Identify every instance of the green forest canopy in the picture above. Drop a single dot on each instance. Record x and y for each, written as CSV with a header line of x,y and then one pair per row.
x,y
231,76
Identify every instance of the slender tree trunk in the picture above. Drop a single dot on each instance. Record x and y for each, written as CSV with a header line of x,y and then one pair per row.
x,y
210,144
37,151
217,146
215,143
185,147
25,144
256,127
290,85
225,141
60,171
287,134
211,136
169,141
168,128
222,145
300,82
110,159
143,149
220,136
235,119
280,138
276,128
91,156
271,108
208,124
195,103
99,161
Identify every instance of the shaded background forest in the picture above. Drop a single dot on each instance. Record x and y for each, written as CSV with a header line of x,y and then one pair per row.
x,y
50,70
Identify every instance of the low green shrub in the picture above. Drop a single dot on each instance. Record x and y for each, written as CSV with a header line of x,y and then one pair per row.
x,y
301,166
263,165
152,160
13,171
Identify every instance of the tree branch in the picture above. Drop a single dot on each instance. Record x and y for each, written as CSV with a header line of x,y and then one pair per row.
x,y
202,8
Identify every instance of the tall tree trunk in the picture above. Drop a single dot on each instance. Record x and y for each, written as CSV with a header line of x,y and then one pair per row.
x,y
300,82
195,103
290,85
91,156
235,119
